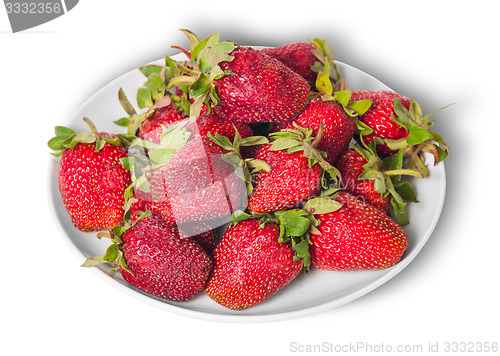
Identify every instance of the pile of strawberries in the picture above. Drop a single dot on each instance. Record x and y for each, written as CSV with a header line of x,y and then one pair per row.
x,y
266,148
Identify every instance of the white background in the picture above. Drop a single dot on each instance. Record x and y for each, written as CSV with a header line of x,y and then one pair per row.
x,y
440,52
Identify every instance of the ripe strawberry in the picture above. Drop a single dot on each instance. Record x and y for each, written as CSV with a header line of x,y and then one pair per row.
x,y
241,84
338,127
91,178
152,257
152,128
356,237
306,59
295,174
198,184
263,89
399,122
378,117
143,202
351,167
250,265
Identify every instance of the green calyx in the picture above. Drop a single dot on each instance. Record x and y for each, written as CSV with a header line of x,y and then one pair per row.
x,y
244,168
114,253
387,174
326,62
300,139
196,77
296,225
67,138
420,137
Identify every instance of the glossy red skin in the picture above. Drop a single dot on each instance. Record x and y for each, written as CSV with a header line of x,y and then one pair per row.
x,y
289,183
338,127
378,117
198,183
250,265
263,89
206,237
356,237
92,185
162,263
297,57
350,166
152,128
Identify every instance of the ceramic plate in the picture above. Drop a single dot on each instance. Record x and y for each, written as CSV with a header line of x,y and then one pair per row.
x,y
316,291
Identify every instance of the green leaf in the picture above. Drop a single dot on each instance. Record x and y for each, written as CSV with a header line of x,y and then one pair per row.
x,y
405,190
93,261
360,106
295,222
86,137
323,84
256,165
161,155
254,140
199,86
283,143
124,121
144,98
204,44
222,141
193,40
147,70
321,205
156,86
343,97
125,103
418,135
112,253
400,212
64,131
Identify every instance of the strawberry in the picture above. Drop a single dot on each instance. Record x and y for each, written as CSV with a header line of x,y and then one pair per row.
x,y
306,59
198,184
350,166
213,124
378,117
241,84
91,178
399,122
338,127
152,128
295,174
151,256
357,236
378,181
250,264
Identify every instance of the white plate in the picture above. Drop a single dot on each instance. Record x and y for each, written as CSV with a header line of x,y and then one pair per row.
x,y
316,291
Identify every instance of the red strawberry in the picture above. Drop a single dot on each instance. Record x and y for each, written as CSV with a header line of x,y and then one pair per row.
x,y
306,59
152,128
198,184
296,56
289,183
262,89
250,265
356,237
338,127
91,178
152,257
378,117
295,174
400,123
241,84
350,166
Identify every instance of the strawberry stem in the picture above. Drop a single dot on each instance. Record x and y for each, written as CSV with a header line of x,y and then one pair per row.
x,y
91,124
